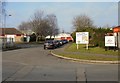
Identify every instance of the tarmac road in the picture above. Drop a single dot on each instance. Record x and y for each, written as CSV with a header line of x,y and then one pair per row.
x,y
37,64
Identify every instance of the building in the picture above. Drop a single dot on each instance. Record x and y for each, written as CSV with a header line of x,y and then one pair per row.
x,y
62,36
116,30
11,34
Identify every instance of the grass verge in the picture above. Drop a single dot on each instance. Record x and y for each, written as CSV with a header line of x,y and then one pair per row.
x,y
95,50
94,53
85,57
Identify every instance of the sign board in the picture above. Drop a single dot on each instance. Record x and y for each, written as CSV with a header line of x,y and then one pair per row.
x,y
82,37
109,40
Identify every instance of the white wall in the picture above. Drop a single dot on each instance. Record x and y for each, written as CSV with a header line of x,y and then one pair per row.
x,y
10,36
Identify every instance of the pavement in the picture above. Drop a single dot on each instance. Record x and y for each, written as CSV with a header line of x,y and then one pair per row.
x,y
37,64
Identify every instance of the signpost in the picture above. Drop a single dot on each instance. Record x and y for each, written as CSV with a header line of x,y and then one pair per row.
x,y
110,41
82,38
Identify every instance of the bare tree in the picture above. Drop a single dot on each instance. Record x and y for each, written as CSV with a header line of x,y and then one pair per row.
x,y
25,27
37,21
82,22
44,25
53,26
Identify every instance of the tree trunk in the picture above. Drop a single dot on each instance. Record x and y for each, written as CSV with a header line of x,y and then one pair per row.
x,y
50,36
37,38
41,37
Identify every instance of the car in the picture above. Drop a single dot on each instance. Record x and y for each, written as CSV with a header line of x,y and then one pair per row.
x,y
61,42
57,43
49,44
64,41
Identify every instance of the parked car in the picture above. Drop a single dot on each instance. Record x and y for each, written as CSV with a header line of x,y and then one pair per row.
x,y
65,41
49,44
61,42
57,43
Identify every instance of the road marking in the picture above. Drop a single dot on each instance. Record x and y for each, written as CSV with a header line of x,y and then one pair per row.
x,y
21,73
80,75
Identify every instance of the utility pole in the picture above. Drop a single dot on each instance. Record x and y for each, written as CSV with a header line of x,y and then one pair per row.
x,y
1,14
1,23
3,19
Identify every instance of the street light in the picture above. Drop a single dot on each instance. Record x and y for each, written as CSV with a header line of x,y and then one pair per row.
x,y
4,29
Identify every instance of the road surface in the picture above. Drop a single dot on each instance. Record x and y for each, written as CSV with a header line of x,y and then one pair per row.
x,y
37,64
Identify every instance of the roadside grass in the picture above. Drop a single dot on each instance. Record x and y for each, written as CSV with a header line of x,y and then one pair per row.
x,y
85,57
94,53
16,45
95,50
10,48
40,42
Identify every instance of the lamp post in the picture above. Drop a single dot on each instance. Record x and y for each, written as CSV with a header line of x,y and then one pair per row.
x,y
5,15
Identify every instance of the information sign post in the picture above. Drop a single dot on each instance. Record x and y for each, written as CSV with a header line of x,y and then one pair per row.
x,y
82,38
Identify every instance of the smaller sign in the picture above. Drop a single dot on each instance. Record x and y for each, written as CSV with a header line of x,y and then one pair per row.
x,y
109,40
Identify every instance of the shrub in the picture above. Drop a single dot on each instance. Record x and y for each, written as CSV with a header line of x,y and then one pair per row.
x,y
96,35
32,37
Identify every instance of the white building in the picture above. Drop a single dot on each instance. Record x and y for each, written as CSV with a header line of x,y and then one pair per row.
x,y
117,31
61,36
10,35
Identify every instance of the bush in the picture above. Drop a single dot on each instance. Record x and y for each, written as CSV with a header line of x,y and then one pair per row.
x,y
33,37
74,36
96,35
24,39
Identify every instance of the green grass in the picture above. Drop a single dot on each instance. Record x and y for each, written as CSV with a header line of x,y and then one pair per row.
x,y
40,42
84,57
94,53
96,50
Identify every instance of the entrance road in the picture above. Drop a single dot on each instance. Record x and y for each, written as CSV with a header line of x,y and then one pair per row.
x,y
37,64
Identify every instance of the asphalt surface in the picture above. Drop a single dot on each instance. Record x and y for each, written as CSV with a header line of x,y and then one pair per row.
x,y
37,64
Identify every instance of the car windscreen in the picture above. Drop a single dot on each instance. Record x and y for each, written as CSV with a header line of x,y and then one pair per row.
x,y
50,41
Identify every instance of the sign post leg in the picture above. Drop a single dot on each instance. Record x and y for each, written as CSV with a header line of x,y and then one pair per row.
x,y
77,47
87,46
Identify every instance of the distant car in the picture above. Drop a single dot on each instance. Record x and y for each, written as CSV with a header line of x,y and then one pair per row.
x,y
57,43
65,41
61,42
49,44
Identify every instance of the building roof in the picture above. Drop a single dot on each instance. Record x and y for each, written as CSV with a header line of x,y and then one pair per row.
x,y
117,26
9,31
116,29
60,35
64,35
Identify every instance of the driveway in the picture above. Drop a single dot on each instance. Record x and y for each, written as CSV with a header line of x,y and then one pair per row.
x,y
37,64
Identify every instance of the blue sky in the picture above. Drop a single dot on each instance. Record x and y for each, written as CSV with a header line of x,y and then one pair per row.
x,y
102,13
